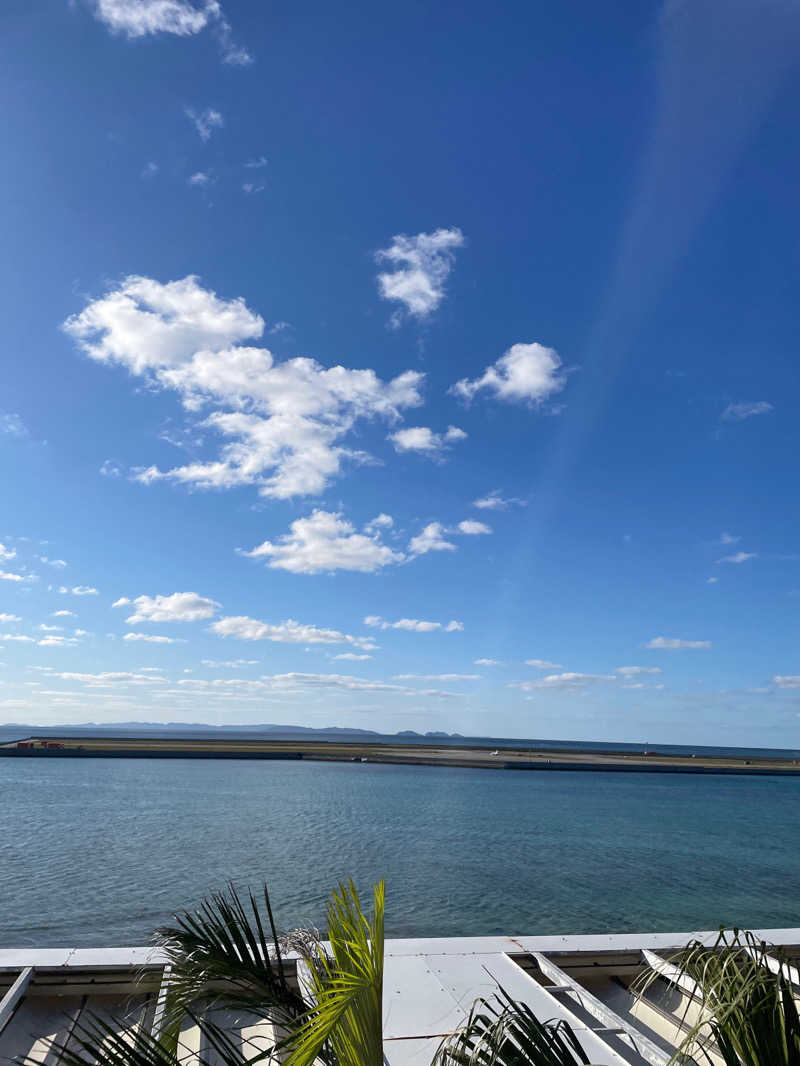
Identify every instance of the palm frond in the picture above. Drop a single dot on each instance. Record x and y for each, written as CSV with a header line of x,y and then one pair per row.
x,y
346,986
747,1012
505,1032
97,1042
222,951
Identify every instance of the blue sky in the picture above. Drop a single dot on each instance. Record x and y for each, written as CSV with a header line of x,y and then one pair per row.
x,y
430,368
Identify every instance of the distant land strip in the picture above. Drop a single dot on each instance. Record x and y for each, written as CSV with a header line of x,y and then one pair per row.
x,y
371,752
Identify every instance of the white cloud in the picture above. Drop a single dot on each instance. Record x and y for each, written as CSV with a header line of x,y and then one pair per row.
x,y
527,373
358,684
149,170
413,625
152,638
54,641
495,501
738,557
675,644
424,441
738,412
728,538
205,122
788,681
199,179
10,618
542,664
488,662
58,563
289,632
325,541
139,18
78,590
422,265
110,468
282,424
472,528
637,671
250,188
7,553
64,614
557,681
182,18
257,164
352,657
436,677
179,607
12,425
18,637
381,521
111,678
712,580
146,326
49,629
431,539
7,575
231,664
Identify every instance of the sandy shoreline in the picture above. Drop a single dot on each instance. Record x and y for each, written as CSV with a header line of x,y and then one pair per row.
x,y
408,754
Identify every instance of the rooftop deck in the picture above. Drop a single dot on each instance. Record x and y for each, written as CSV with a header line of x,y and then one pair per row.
x,y
428,990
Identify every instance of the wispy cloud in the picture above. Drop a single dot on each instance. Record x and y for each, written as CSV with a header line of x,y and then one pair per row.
x,y
151,638
7,575
12,425
206,121
289,632
436,677
637,671
495,501
738,557
413,625
181,18
738,412
111,468
787,681
676,644
562,681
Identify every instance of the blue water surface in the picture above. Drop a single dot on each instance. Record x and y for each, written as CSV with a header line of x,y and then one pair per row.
x,y
98,852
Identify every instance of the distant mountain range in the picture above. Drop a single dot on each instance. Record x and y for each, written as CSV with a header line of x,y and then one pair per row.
x,y
202,727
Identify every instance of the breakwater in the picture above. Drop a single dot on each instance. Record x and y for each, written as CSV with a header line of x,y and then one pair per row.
x,y
82,747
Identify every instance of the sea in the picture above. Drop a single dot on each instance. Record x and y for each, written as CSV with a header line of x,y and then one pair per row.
x,y
100,852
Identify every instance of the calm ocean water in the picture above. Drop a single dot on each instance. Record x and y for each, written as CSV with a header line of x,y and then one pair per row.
x,y
98,852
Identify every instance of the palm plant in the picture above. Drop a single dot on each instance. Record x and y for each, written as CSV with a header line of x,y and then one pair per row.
x,y
505,1032
747,1010
345,985
228,953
